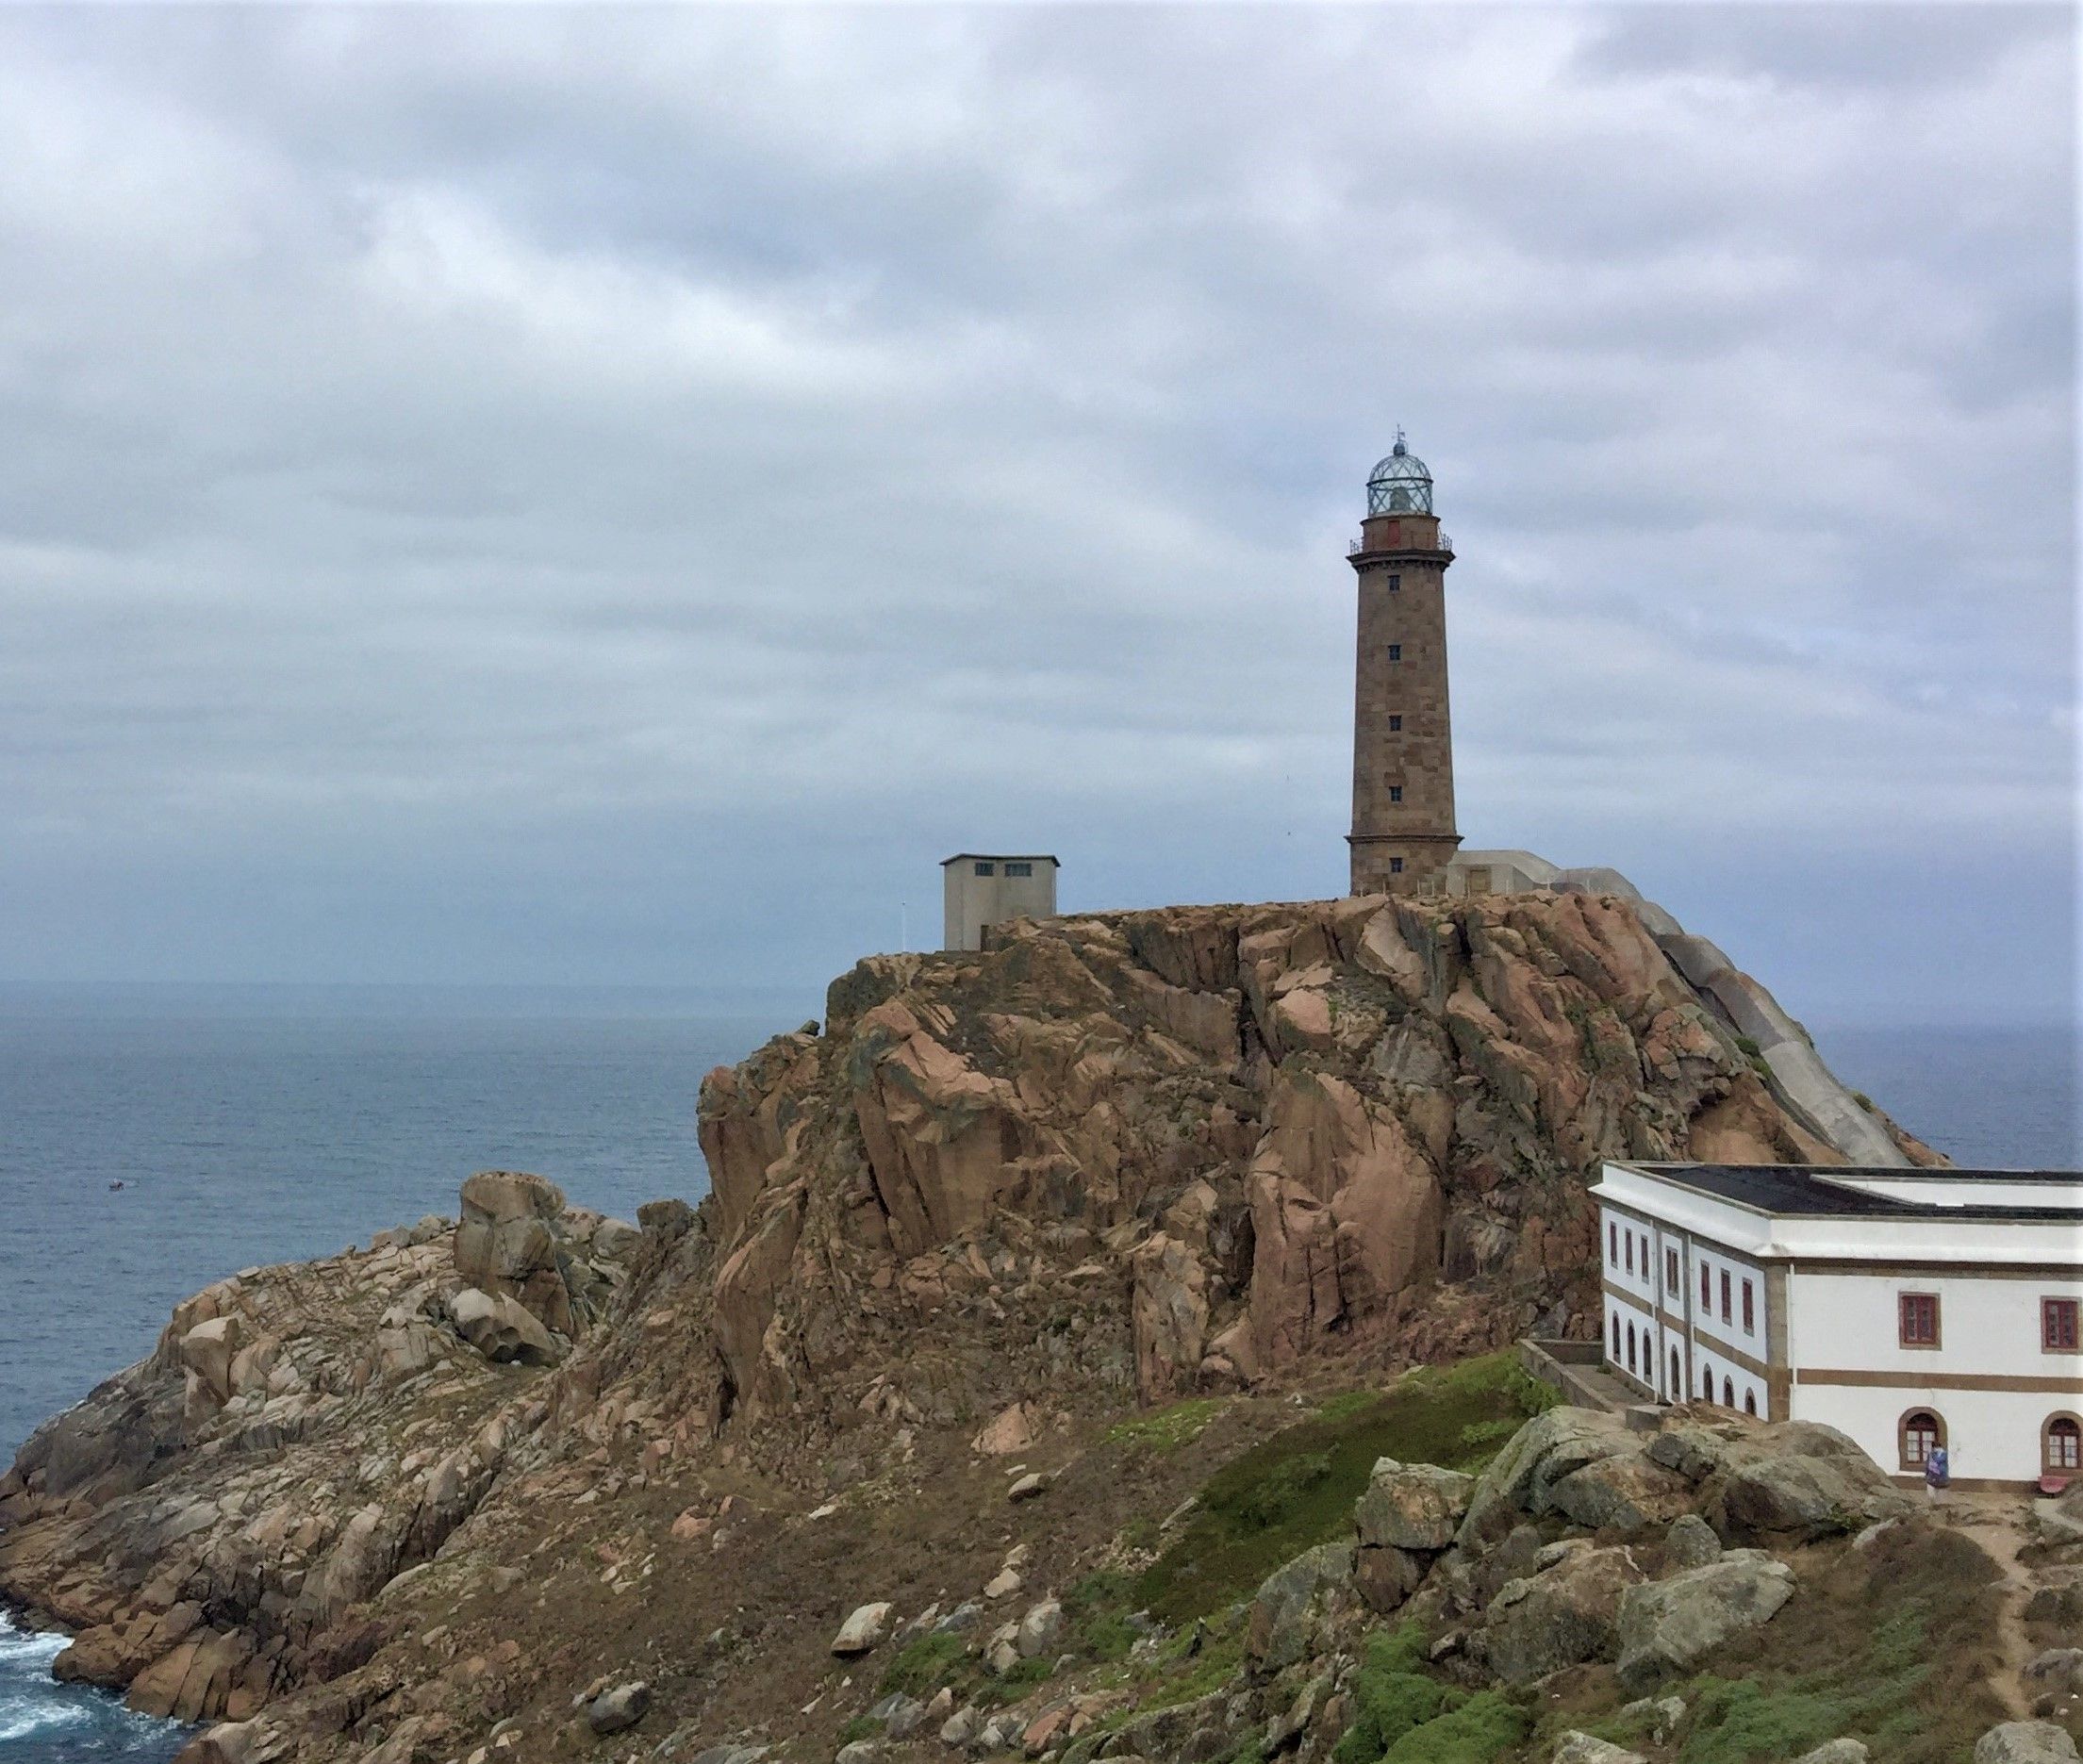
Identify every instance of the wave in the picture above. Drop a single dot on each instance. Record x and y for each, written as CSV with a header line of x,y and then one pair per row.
x,y
20,1717
31,1648
39,1646
42,1722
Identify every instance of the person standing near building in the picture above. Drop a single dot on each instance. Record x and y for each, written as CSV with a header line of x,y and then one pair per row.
x,y
1938,1472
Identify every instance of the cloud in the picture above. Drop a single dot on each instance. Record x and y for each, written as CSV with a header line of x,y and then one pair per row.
x,y
682,469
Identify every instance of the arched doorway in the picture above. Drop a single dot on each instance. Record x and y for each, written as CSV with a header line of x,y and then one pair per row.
x,y
2062,1445
1921,1431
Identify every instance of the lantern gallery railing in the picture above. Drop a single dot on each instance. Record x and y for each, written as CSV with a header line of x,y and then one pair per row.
x,y
1442,543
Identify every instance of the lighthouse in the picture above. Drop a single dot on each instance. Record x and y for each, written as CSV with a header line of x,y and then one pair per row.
x,y
1403,831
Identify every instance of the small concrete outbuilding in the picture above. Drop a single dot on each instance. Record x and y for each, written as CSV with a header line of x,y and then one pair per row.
x,y
1498,872
981,889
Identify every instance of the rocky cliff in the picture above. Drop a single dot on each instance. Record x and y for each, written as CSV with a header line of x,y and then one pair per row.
x,y
409,1502
1357,1121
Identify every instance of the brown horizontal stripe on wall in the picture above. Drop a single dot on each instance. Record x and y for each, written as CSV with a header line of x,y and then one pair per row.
x,y
1939,1381
1723,1350
1627,1295
2042,1271
1706,1344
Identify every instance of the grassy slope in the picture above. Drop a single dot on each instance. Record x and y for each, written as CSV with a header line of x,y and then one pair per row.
x,y
1297,1489
1889,1644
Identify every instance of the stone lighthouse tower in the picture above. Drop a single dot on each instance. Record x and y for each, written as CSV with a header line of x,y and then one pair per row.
x,y
1402,742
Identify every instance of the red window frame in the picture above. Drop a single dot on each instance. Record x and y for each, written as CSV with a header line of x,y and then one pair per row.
x,y
1706,1289
2061,1443
1728,1309
1671,1273
1631,1252
2058,1325
1750,1313
1917,1319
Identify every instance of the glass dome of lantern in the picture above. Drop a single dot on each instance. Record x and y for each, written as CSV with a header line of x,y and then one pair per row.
x,y
1399,485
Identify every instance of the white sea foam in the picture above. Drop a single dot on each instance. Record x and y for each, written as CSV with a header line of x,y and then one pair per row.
x,y
26,1645
20,1717
42,1722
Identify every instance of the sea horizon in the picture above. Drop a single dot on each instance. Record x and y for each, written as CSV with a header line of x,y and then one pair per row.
x,y
666,998
253,1123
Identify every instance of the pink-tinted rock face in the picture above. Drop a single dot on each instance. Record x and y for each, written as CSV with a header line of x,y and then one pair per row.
x,y
1386,1112
943,1138
1170,1316
1345,1214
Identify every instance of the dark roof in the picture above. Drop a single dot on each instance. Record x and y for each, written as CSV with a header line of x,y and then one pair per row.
x,y
1808,1190
1000,857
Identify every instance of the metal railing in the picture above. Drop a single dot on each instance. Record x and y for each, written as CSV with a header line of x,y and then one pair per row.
x,y
1442,544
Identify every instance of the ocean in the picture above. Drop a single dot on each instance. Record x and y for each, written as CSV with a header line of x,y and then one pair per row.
x,y
40,1718
252,1126
258,1126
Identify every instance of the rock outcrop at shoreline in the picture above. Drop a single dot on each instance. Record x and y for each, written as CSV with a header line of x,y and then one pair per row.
x,y
208,1521
403,1503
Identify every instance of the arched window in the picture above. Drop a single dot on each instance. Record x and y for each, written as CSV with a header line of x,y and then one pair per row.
x,y
1630,1347
1706,1382
2062,1445
1677,1382
1728,1392
1750,1402
1922,1432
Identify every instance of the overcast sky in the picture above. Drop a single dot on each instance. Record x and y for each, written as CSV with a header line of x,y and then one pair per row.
x,y
615,496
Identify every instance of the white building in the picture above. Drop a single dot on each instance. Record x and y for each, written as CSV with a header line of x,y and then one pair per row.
x,y
1908,1308
980,889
